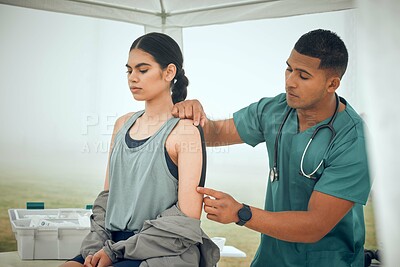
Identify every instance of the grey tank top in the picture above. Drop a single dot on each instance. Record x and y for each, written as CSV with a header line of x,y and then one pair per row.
x,y
141,185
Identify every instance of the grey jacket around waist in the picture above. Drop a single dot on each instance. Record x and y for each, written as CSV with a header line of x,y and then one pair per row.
x,y
172,239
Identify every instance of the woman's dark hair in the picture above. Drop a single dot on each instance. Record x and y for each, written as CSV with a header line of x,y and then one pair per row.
x,y
327,46
165,51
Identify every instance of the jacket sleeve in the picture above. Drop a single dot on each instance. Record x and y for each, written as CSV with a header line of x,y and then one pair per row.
x,y
98,234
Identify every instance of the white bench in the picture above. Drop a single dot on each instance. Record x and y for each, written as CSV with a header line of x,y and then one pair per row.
x,y
232,252
12,259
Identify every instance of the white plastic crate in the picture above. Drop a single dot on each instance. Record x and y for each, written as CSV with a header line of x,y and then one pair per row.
x,y
49,233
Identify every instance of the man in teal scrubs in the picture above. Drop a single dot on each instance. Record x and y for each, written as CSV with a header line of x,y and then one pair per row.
x,y
313,213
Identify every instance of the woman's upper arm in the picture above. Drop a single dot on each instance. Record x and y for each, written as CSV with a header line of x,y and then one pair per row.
x,y
186,143
117,126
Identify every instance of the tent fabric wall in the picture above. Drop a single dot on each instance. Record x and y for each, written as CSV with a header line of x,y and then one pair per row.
x,y
378,71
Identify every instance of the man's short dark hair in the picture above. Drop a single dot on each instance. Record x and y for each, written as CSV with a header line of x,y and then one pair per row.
x,y
327,46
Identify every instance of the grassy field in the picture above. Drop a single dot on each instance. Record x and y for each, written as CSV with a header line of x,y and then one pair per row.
x,y
76,193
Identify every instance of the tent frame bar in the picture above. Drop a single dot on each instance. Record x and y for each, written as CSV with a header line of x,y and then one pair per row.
x,y
164,14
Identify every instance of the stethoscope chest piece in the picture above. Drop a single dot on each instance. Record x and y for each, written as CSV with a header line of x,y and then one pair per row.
x,y
273,174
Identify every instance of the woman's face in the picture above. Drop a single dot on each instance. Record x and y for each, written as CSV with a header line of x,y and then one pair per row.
x,y
146,79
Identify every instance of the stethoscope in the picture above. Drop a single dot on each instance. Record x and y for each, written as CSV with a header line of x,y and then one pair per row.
x,y
273,173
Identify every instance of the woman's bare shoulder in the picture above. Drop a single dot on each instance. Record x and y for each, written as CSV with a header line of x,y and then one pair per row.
x,y
121,121
185,130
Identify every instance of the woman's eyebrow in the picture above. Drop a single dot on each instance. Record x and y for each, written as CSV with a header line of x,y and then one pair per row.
x,y
138,65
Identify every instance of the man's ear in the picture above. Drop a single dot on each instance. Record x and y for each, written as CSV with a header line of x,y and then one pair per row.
x,y
333,84
170,72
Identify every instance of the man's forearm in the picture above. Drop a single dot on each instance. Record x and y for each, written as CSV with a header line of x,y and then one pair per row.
x,y
221,133
211,134
324,212
291,226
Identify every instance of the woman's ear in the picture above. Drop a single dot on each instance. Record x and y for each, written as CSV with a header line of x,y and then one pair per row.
x,y
170,72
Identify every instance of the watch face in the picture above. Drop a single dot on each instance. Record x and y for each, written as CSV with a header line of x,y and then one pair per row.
x,y
244,214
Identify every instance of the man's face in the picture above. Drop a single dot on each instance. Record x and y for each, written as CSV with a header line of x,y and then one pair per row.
x,y
306,84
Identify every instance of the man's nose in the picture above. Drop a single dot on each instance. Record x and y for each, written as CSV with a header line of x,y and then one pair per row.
x,y
290,80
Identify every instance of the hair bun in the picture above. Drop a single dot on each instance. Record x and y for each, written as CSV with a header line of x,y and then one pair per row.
x,y
179,89
180,74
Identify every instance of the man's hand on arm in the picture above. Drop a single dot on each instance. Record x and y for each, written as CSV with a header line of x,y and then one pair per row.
x,y
219,206
324,212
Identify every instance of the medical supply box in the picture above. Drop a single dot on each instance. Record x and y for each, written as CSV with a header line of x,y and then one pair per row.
x,y
49,233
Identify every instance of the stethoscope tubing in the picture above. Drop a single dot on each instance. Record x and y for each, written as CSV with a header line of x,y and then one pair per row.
x,y
329,125
310,176
278,136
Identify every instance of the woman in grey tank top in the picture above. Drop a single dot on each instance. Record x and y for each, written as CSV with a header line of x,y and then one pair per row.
x,y
139,178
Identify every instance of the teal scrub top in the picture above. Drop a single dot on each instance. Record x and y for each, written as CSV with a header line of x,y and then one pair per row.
x,y
343,174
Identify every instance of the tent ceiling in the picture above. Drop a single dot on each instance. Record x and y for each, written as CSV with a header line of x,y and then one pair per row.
x,y
164,14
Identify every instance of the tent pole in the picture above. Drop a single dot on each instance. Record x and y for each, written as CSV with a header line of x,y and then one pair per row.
x,y
174,32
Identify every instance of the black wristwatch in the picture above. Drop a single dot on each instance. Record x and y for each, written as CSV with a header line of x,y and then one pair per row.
x,y
244,215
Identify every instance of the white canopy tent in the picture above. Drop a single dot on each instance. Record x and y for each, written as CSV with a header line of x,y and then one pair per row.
x,y
170,16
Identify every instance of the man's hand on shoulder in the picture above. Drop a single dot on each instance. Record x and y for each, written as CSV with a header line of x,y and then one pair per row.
x,y
190,109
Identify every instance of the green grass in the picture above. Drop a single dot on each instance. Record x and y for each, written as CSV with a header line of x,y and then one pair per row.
x,y
76,193
17,190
